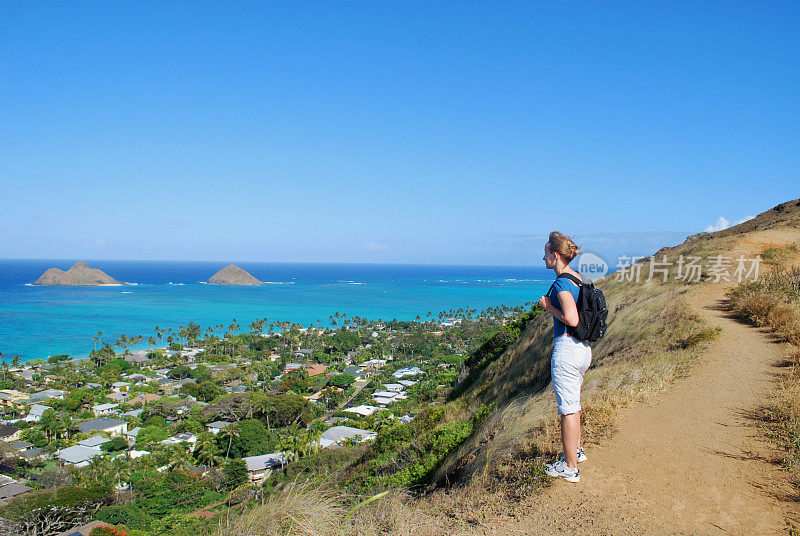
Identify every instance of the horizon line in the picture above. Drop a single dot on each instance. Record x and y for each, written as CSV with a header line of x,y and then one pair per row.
x,y
270,262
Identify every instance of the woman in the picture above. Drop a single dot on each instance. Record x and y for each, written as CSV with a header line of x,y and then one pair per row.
x,y
571,357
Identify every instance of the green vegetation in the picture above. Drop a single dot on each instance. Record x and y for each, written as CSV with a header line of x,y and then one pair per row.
x,y
176,467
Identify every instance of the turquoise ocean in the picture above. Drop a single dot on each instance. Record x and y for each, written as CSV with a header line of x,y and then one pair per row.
x,y
42,321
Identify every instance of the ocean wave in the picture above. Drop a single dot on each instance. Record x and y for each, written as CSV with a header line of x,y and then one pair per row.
x,y
127,292
278,282
29,284
175,284
130,284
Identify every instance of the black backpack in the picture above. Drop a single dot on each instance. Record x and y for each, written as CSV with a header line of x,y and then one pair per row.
x,y
592,312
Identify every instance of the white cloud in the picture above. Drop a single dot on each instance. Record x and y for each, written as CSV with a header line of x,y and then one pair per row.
x,y
99,243
723,223
375,246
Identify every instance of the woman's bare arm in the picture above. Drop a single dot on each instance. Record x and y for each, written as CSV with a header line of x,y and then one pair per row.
x,y
569,310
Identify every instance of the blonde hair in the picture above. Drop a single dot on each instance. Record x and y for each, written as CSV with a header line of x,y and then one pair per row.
x,y
563,245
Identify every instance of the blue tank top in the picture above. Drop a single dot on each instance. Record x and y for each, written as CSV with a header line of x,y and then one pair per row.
x,y
561,284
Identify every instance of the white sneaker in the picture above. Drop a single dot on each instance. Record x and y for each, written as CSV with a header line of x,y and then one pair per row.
x,y
561,469
581,455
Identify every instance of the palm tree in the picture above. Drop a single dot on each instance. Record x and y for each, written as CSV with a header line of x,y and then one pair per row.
x,y
97,466
121,466
230,432
207,450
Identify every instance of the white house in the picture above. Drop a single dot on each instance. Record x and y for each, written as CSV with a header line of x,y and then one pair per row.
x,y
217,426
104,409
363,410
94,441
130,435
180,438
337,435
373,364
408,371
78,455
119,386
35,413
260,467
114,427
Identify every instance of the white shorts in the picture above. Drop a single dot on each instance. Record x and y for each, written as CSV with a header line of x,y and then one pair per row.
x,y
570,360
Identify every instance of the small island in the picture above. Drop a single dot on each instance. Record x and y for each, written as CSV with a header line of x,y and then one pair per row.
x,y
80,275
233,275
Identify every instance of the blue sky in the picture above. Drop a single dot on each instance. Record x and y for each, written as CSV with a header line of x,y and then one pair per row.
x,y
428,132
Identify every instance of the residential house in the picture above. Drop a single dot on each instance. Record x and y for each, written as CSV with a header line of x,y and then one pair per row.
x,y
120,386
94,441
26,374
144,398
78,455
260,467
118,397
373,364
104,409
217,426
11,397
315,369
9,491
180,438
408,371
138,357
21,446
47,394
130,435
338,435
34,453
114,427
183,382
385,398
35,412
350,357
356,371
136,377
9,434
304,353
363,410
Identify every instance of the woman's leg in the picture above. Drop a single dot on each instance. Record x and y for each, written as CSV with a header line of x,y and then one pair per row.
x,y
579,428
570,431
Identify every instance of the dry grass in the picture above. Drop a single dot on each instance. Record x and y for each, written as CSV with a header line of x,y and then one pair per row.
x,y
780,255
774,303
317,509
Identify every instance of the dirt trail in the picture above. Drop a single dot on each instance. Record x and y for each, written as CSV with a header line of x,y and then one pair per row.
x,y
691,461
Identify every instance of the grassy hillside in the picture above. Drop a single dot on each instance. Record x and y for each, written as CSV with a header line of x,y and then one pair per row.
x,y
653,338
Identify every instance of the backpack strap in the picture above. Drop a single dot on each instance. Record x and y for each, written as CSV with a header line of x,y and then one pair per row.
x,y
571,278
